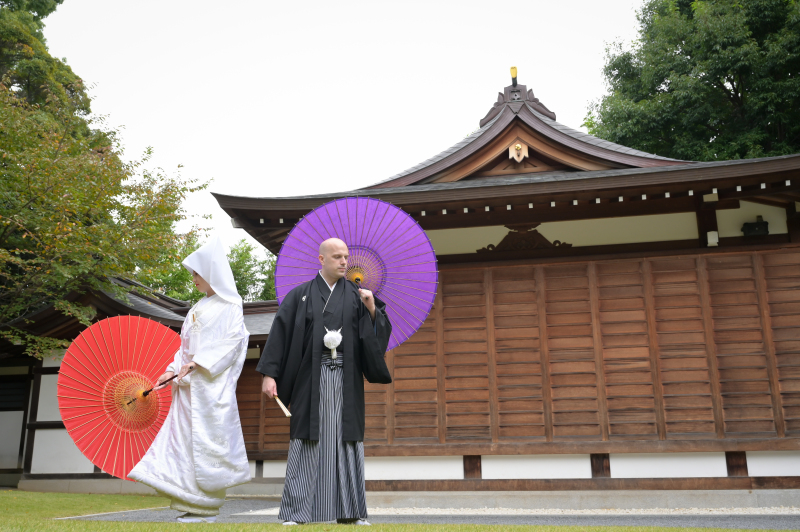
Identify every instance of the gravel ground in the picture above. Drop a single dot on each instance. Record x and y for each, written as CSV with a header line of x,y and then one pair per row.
x,y
266,511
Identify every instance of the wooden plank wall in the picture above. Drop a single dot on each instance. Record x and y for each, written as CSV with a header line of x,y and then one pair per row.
x,y
668,348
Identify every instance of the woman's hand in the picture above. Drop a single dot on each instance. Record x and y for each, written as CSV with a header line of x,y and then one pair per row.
x,y
186,369
160,382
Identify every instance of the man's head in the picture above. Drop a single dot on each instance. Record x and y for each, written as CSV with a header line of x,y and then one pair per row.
x,y
333,257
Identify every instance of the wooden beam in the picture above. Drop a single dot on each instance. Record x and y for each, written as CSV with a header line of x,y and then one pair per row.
x,y
566,447
706,223
768,200
588,484
793,222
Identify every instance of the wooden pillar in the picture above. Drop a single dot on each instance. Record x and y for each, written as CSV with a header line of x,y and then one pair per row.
x,y
737,463
32,414
472,466
793,222
706,218
441,396
601,465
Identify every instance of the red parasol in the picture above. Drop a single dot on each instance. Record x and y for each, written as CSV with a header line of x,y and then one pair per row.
x,y
109,364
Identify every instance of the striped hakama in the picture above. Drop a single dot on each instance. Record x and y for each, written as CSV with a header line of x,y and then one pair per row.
x,y
325,478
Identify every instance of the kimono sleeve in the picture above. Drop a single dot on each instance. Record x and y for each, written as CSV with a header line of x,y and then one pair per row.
x,y
175,365
273,357
219,344
374,341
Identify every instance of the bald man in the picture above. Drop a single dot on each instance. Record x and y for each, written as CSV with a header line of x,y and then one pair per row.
x,y
324,386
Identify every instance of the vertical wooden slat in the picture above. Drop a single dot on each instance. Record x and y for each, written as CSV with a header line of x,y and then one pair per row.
x,y
652,340
708,330
494,418
390,399
601,465
472,466
602,403
438,312
544,353
736,461
262,419
769,345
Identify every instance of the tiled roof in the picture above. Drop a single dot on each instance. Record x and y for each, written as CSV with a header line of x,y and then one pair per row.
x,y
438,157
258,324
594,141
145,307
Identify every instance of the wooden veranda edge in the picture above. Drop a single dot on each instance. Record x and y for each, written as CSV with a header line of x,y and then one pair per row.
x,y
562,447
587,484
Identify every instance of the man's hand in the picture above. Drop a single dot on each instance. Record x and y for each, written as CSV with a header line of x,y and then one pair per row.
x,y
369,301
160,382
269,387
185,370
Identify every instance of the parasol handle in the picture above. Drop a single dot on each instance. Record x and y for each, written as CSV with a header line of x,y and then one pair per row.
x,y
147,392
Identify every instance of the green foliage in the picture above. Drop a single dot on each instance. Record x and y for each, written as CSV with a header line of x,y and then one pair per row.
x,y
73,215
706,80
255,277
26,66
175,280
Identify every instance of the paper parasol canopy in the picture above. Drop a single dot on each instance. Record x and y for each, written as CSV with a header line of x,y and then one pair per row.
x,y
110,363
390,255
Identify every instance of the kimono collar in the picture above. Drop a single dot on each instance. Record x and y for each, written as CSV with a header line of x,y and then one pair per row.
x,y
324,287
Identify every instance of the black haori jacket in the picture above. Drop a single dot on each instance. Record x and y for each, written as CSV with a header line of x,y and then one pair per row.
x,y
293,353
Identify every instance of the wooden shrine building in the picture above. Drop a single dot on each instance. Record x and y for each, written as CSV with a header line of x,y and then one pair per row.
x,y
603,315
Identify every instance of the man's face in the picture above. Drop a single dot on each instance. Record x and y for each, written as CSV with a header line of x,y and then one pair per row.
x,y
334,260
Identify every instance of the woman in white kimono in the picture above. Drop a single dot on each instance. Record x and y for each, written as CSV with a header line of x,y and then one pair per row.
x,y
199,451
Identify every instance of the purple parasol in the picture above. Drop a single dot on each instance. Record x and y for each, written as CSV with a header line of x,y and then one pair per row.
x,y
390,255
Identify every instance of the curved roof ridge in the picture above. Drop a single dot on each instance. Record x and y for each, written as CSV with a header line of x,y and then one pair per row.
x,y
595,141
439,156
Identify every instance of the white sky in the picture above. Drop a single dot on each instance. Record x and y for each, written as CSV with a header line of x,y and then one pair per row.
x,y
290,98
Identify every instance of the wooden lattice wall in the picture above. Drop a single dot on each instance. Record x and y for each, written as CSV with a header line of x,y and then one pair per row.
x,y
527,358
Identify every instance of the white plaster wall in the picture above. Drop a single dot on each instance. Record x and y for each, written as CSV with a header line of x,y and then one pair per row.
x,y
668,465
414,468
252,468
253,353
55,452
10,433
730,221
773,463
53,361
48,399
628,230
579,233
541,466
457,241
274,468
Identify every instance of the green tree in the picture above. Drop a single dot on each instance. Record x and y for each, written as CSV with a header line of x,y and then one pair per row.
x,y
255,277
252,275
706,80
26,66
73,216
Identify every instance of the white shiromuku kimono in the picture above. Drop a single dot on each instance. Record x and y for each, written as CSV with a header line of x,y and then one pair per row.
x,y
199,451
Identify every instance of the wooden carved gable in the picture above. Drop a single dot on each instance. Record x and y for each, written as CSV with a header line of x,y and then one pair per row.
x,y
519,150
523,237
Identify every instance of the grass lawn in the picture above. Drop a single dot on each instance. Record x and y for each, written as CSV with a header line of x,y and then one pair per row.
x,y
22,510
